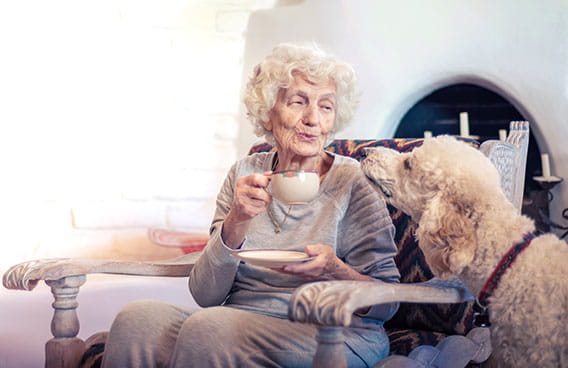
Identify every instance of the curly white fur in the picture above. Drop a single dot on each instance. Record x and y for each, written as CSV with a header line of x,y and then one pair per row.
x,y
465,226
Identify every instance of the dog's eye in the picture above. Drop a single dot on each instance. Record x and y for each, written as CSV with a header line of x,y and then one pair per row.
x,y
406,164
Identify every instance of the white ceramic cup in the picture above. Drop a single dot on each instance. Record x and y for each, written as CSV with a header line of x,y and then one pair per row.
x,y
294,187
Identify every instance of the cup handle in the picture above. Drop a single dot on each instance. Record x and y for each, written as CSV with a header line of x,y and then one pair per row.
x,y
268,187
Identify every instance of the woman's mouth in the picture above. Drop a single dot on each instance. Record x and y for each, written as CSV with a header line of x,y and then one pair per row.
x,y
307,137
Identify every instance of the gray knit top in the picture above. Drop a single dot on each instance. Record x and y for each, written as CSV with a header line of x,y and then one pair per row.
x,y
348,215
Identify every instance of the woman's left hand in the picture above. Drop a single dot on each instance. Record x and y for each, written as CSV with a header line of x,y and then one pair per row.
x,y
325,266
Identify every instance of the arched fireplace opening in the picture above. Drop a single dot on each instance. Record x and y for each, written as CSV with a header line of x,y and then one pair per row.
x,y
488,112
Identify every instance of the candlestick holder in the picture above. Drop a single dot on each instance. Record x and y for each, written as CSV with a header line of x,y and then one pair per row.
x,y
547,183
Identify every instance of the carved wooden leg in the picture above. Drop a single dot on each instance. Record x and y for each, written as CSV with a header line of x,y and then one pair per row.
x,y
64,350
331,348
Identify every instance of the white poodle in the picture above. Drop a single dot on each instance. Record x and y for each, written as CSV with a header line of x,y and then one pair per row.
x,y
465,227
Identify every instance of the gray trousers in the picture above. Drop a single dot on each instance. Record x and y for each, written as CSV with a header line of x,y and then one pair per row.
x,y
151,333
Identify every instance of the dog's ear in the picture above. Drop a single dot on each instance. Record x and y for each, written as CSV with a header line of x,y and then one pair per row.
x,y
446,234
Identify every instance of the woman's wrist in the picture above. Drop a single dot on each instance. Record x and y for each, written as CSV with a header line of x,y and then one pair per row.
x,y
233,232
345,272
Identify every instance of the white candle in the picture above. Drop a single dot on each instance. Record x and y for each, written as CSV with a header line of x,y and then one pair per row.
x,y
502,135
545,165
427,134
464,124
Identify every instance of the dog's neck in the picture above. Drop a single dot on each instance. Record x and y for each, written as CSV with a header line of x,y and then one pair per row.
x,y
493,241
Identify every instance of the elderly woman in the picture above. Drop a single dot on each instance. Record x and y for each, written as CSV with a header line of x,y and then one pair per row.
x,y
298,97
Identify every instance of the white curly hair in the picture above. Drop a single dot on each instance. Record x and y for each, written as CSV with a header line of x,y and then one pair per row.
x,y
277,71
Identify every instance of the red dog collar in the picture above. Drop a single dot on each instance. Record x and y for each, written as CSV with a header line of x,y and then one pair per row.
x,y
481,303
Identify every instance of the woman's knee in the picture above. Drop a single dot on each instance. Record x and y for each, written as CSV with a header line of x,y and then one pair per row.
x,y
143,334
146,315
213,326
136,311
213,320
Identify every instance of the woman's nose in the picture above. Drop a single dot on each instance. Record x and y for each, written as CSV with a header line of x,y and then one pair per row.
x,y
311,115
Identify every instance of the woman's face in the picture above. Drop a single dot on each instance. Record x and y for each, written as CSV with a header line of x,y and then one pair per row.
x,y
303,117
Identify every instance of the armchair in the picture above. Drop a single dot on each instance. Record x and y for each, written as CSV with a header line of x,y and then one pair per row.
x,y
327,304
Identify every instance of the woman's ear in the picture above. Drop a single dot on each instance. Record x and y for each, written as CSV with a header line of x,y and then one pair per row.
x,y
446,234
267,124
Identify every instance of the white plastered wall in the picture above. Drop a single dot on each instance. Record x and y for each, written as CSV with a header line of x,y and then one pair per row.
x,y
404,50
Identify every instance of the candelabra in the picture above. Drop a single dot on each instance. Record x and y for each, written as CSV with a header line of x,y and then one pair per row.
x,y
547,183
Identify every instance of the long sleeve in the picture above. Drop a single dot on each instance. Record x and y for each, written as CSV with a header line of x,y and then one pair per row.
x,y
366,241
214,272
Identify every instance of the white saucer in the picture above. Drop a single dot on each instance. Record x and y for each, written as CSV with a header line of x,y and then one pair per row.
x,y
271,258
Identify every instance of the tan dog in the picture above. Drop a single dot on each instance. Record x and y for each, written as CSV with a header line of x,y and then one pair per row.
x,y
465,227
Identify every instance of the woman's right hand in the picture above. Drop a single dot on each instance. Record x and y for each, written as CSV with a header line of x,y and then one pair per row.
x,y
250,199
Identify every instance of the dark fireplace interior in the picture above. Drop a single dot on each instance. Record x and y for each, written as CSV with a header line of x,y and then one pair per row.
x,y
488,112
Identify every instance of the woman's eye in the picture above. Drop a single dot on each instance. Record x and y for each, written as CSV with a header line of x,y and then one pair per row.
x,y
296,102
327,108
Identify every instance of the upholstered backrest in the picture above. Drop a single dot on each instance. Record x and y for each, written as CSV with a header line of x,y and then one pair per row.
x,y
445,318
354,147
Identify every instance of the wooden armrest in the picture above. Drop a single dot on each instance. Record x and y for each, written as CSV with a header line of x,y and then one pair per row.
x,y
25,276
332,303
